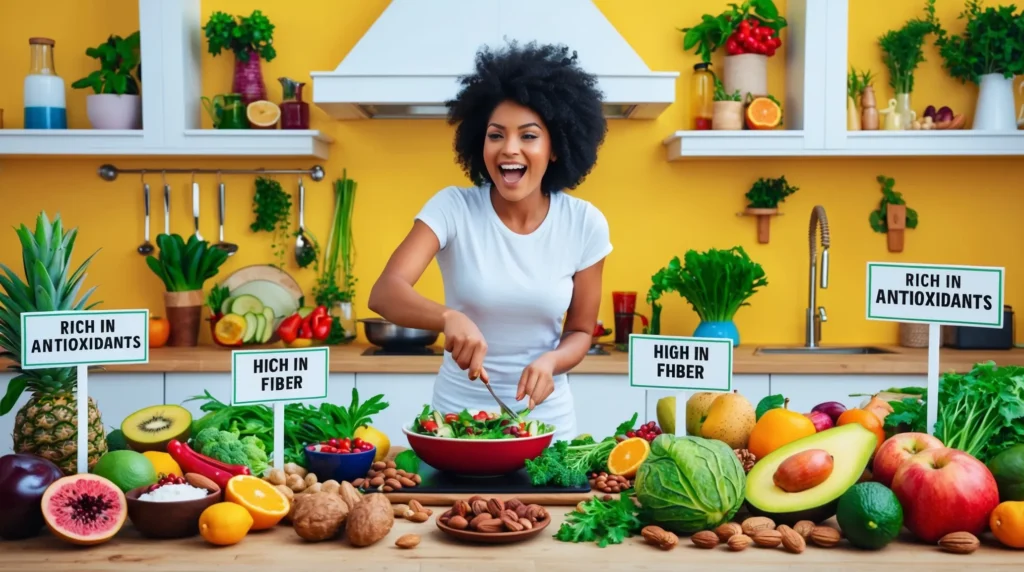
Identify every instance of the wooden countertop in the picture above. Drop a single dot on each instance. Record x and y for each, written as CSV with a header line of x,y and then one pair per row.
x,y
746,360
281,549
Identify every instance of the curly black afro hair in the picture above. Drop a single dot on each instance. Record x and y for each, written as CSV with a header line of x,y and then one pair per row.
x,y
546,79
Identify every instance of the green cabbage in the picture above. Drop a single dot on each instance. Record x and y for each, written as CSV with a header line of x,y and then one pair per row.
x,y
690,484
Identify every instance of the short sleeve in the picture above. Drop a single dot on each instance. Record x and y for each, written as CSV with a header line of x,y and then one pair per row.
x,y
596,239
441,213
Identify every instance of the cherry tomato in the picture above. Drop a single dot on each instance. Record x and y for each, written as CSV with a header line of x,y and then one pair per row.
x,y
753,22
750,44
525,434
770,51
732,47
745,26
775,42
451,418
742,37
469,431
765,31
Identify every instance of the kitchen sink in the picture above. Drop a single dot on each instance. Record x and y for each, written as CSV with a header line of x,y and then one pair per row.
x,y
824,350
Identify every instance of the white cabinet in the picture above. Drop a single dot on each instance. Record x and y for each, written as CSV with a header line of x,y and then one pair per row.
x,y
806,391
405,394
603,401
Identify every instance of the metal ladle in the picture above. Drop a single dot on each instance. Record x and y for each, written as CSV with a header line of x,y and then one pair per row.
x,y
146,248
227,247
305,253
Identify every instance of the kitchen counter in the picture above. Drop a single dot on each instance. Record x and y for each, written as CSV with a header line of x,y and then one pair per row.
x,y
282,549
349,359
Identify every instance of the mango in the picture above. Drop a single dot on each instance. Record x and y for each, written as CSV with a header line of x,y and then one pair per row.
x,y
730,419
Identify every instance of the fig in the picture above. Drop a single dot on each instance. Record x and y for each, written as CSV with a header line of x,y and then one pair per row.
x,y
84,509
930,112
831,408
23,480
804,470
943,115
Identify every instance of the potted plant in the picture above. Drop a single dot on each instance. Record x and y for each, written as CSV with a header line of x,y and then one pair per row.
x,y
989,54
902,53
749,31
892,215
716,283
115,102
251,38
763,202
727,113
856,85
339,262
184,267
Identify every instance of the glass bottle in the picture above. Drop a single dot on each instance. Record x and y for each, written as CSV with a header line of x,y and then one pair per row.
x,y
346,314
294,111
702,96
45,106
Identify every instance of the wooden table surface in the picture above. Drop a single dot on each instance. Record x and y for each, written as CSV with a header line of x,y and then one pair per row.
x,y
746,360
281,549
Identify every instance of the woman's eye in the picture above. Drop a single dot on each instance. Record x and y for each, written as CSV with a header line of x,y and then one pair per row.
x,y
494,136
529,136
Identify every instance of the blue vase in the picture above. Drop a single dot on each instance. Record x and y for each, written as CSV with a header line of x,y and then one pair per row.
x,y
725,330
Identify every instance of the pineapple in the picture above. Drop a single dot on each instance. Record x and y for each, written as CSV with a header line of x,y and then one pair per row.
x,y
46,425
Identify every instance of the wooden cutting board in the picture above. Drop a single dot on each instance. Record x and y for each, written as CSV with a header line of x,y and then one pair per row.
x,y
448,499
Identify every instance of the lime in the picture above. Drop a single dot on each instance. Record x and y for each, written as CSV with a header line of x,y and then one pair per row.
x,y
870,515
126,469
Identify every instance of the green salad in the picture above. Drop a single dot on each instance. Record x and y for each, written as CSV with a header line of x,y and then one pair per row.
x,y
477,425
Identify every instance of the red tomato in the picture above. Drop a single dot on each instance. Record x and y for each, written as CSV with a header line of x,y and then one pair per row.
x,y
750,44
732,47
765,31
775,42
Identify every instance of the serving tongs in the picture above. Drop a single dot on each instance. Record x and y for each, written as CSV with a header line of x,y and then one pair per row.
x,y
504,408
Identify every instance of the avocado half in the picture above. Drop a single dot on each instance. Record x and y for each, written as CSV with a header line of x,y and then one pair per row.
x,y
152,428
851,447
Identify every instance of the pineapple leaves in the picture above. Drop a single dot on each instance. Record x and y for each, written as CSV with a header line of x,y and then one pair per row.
x,y
185,266
14,390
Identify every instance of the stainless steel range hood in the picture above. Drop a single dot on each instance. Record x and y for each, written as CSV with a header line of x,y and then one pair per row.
x,y
409,61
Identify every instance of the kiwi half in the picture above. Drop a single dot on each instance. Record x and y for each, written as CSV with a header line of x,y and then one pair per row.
x,y
150,429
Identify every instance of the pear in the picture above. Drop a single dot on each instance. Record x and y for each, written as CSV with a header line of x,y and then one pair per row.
x,y
697,408
730,419
667,414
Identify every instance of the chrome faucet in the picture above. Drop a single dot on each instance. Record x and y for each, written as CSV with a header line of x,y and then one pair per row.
x,y
816,314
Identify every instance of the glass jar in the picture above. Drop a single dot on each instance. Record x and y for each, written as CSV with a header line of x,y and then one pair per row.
x,y
702,96
45,106
346,315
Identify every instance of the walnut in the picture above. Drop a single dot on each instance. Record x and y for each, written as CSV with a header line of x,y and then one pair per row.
x,y
370,521
479,507
536,513
747,459
319,516
513,504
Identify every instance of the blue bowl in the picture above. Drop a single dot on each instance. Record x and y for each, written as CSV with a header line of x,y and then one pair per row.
x,y
340,466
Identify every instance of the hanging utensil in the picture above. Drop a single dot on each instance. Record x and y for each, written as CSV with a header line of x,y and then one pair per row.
x,y
305,252
146,248
227,247
167,204
195,206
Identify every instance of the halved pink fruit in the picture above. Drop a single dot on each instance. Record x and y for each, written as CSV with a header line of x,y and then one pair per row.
x,y
84,509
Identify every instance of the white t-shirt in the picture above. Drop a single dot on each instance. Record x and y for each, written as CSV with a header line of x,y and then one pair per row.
x,y
516,289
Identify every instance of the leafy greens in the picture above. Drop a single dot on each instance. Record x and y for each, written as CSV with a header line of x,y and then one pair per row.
x,y
902,48
603,522
992,42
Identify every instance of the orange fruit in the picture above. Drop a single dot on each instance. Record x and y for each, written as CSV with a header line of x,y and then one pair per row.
x,y
266,504
163,463
763,113
627,456
866,418
224,523
263,114
778,427
1007,523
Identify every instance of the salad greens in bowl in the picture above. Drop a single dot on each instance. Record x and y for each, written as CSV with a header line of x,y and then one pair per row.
x,y
477,424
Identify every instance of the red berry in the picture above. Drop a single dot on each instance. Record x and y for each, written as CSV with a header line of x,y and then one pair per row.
x,y
630,434
649,437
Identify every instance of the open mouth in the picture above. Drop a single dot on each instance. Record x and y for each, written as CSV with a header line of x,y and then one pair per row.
x,y
512,173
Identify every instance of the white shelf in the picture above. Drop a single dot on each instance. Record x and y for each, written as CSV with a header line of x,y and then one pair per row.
x,y
932,143
257,142
80,142
705,144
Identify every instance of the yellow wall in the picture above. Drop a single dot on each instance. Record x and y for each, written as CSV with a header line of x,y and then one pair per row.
x,y
656,209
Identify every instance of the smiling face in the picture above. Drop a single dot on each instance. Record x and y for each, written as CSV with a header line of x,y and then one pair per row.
x,y
517,150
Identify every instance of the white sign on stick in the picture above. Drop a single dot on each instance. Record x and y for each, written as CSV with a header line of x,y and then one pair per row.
x,y
279,376
935,294
673,362
80,339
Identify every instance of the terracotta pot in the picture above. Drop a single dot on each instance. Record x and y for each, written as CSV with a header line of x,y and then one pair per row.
x,y
747,73
184,312
727,116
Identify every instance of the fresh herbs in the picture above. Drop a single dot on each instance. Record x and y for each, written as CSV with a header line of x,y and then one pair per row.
x,y
721,95
215,299
768,193
992,42
568,463
902,49
185,266
273,209
120,66
603,522
856,82
248,34
340,252
879,216
713,32
716,283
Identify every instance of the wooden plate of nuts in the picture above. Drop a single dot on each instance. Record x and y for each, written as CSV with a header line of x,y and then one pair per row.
x,y
493,521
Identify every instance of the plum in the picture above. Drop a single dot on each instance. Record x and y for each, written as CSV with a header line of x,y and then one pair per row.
x,y
831,408
23,480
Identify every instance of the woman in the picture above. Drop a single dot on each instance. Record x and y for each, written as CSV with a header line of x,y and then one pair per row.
x,y
516,253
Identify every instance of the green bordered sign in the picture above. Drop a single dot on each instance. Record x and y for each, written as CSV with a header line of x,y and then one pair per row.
x,y
936,294
88,337
670,362
275,376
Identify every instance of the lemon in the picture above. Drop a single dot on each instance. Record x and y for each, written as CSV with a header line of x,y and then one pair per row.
x,y
377,438
163,463
225,523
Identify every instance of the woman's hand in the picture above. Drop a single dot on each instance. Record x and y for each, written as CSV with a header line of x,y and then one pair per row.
x,y
537,380
465,342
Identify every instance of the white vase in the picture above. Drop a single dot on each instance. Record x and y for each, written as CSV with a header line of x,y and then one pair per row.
x,y
995,110
111,111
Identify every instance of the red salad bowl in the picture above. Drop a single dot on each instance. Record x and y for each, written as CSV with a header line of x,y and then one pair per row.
x,y
477,457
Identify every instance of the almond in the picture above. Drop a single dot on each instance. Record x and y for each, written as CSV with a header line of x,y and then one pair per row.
x,y
475,523
705,539
728,530
756,523
418,516
825,536
407,541
458,522
791,539
399,509
491,525
739,542
959,543
768,538
657,536
804,528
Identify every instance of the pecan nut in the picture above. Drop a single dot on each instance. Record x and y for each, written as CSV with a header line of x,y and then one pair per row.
x,y
458,522
479,507
512,525
513,504
536,513
461,508
475,523
523,511
495,506
491,525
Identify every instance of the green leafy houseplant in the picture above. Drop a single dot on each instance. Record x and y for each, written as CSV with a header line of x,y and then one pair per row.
x,y
889,197
721,95
245,36
185,266
120,67
992,42
768,193
713,32
903,49
272,207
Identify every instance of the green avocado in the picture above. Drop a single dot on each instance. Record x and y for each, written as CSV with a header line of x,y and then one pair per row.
x,y
870,515
1008,469
851,447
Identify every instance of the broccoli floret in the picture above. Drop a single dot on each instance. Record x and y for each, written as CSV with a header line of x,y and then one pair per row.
x,y
256,453
226,447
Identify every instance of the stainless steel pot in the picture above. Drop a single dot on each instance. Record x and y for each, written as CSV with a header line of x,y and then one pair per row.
x,y
383,333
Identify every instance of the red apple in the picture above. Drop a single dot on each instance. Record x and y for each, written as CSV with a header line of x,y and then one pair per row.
x,y
821,420
944,490
897,449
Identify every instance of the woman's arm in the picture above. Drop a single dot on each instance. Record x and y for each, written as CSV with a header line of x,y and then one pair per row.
x,y
580,319
393,295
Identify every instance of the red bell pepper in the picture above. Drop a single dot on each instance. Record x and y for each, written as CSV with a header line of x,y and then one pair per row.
x,y
289,328
192,462
321,327
306,327
318,311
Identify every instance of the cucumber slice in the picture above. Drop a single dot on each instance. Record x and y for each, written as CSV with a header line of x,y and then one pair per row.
x,y
250,328
225,307
262,327
268,313
245,304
